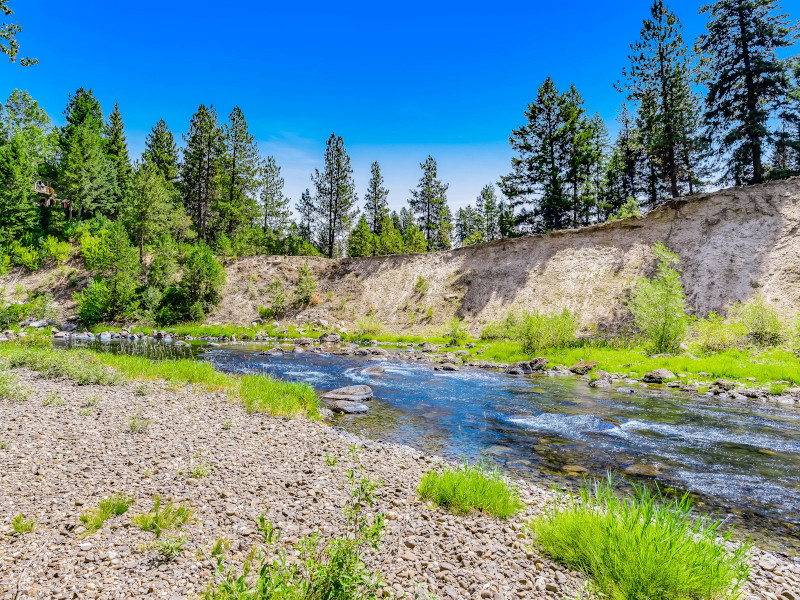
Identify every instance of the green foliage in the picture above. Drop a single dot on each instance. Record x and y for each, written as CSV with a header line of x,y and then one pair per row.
x,y
163,518
10,388
457,332
261,393
38,354
332,568
362,241
27,256
658,304
428,203
629,209
368,327
715,334
761,322
507,328
468,487
137,423
538,330
420,286
276,301
22,524
115,505
18,211
641,547
306,286
199,290
335,195
56,250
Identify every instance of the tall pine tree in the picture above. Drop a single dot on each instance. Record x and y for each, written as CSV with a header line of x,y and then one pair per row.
x,y
428,203
236,206
335,196
161,152
745,80
274,205
202,167
376,206
117,152
307,214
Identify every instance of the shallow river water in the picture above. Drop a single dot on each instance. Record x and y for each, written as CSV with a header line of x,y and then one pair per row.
x,y
741,459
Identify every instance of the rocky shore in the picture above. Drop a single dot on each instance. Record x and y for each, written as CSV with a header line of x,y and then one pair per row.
x,y
68,446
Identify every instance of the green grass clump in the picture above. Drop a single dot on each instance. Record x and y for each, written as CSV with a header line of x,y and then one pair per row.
x,y
38,354
469,487
118,504
457,332
641,547
368,328
261,393
10,389
22,524
163,518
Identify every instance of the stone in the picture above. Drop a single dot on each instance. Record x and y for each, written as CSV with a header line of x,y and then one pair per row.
x,y
352,393
658,376
374,370
725,384
642,470
574,469
445,367
428,347
330,337
600,384
583,367
768,563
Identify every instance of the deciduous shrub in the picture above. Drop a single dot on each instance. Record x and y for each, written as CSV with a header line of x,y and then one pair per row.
x,y
306,286
276,301
537,331
658,304
56,250
457,332
761,322
716,334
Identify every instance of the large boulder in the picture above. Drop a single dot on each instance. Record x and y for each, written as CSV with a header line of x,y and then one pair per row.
x,y
330,337
538,363
428,347
658,376
352,393
374,370
583,367
445,367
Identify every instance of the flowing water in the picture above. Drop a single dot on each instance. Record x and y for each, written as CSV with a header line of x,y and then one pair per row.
x,y
740,459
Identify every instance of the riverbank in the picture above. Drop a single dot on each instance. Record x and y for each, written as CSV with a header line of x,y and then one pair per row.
x,y
67,446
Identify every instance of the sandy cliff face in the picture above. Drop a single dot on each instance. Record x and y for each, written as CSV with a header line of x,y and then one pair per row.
x,y
732,244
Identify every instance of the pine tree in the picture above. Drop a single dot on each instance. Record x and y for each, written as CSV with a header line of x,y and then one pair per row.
x,y
468,226
745,79
390,240
18,210
161,152
306,211
149,211
414,240
116,149
362,241
274,205
335,196
488,209
660,70
428,204
540,171
24,118
405,219
376,204
786,158
236,206
202,166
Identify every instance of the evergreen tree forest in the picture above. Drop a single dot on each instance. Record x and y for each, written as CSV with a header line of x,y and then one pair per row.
x,y
156,230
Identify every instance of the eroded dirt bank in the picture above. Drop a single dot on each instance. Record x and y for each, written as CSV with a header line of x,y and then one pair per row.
x,y
61,459
732,244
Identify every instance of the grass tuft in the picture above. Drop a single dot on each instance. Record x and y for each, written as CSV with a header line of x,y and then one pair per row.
x,y
162,518
261,393
641,547
469,487
118,504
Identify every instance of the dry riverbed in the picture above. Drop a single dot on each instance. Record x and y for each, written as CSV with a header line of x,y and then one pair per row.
x,y
62,458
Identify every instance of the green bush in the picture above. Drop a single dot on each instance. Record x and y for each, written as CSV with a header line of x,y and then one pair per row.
x,y
421,286
306,286
715,334
641,547
761,322
368,327
507,328
470,487
276,301
538,331
163,518
107,300
658,304
118,504
58,251
92,250
27,256
457,332
22,524
5,263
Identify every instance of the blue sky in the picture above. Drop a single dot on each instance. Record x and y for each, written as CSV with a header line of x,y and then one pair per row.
x,y
398,81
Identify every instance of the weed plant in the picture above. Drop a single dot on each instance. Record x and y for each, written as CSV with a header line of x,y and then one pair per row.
x,y
470,487
641,547
163,518
332,568
137,423
420,285
10,388
115,505
538,331
368,328
22,524
457,332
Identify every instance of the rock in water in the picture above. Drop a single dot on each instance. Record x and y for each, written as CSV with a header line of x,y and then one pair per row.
x,y
351,393
330,337
445,367
347,407
374,370
658,376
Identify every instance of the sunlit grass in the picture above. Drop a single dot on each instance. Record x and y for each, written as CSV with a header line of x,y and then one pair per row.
x,y
261,393
471,487
118,504
641,547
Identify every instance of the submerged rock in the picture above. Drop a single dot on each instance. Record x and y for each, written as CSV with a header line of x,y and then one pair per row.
x,y
348,407
374,370
445,367
352,393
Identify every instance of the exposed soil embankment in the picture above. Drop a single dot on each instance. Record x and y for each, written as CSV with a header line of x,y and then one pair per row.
x,y
732,244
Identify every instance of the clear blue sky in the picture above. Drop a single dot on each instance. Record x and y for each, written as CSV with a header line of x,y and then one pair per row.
x,y
397,82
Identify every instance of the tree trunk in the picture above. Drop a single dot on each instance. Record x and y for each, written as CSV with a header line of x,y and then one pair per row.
x,y
752,101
